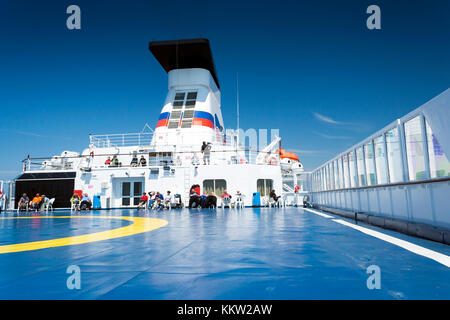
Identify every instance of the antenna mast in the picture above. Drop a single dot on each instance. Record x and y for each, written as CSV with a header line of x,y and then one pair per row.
x,y
237,105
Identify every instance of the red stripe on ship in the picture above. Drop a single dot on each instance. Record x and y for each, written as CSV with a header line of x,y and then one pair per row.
x,y
203,122
162,123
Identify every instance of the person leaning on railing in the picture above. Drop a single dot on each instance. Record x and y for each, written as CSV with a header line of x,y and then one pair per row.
x,y
114,161
142,162
134,161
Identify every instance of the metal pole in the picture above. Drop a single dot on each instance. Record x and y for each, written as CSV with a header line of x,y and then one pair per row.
x,y
402,141
374,163
426,156
386,160
364,165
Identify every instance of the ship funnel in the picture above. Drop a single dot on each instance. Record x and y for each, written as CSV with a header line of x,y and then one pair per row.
x,y
191,113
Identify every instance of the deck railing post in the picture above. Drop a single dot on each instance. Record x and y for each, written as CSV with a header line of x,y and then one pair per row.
x,y
364,165
426,156
374,162
404,157
386,160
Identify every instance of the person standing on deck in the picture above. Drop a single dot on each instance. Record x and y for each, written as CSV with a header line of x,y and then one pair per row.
x,y
206,150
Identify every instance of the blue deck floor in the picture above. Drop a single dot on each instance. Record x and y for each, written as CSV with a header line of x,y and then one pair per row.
x,y
286,253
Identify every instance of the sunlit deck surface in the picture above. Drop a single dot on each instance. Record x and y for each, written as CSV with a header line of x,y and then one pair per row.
x,y
253,253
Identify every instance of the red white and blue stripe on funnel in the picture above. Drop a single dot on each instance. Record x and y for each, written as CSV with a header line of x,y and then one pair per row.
x,y
201,118
163,120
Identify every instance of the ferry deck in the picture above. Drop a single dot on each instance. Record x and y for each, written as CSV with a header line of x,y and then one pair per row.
x,y
380,214
250,253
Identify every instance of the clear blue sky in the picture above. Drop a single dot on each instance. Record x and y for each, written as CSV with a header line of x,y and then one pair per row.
x,y
311,69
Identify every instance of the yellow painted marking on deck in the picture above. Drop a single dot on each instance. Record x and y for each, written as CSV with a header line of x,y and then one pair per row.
x,y
139,225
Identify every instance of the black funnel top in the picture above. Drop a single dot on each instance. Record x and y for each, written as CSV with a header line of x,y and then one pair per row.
x,y
184,54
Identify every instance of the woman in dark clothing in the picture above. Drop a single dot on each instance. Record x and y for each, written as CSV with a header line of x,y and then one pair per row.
x,y
274,196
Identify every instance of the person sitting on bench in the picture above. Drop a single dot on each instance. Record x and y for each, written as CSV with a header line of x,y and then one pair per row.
x,y
143,201
210,201
44,202
194,197
23,202
226,198
34,204
274,196
167,200
75,201
86,202
203,199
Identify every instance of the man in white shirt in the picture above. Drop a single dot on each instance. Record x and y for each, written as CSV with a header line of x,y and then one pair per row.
x,y
167,199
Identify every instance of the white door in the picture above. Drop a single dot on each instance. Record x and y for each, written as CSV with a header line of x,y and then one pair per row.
x,y
131,192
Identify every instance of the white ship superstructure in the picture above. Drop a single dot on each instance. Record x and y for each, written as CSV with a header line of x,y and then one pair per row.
x,y
191,115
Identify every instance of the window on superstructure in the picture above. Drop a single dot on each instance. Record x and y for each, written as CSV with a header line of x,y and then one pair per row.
x,y
183,107
188,115
179,100
264,186
174,119
190,100
217,186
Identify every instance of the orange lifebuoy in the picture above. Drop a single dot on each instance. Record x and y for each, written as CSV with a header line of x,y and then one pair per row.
x,y
241,161
288,155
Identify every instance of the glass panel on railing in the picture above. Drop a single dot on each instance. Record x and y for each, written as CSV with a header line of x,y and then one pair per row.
x,y
346,173
336,175
415,149
370,167
439,164
331,171
353,174
380,160
341,174
360,165
394,155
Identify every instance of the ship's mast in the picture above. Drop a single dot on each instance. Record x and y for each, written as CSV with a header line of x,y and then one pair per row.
x,y
237,105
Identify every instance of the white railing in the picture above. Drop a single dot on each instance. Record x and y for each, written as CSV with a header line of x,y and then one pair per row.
x,y
172,158
121,140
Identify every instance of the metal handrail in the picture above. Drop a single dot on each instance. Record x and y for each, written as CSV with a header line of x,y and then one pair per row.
x,y
248,155
396,184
